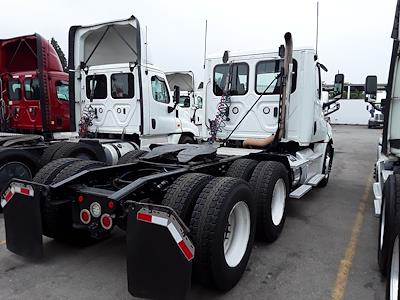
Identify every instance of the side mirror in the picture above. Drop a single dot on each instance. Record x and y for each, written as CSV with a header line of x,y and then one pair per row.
x,y
338,86
371,87
177,94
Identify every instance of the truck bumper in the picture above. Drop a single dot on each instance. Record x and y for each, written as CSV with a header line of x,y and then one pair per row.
x,y
22,217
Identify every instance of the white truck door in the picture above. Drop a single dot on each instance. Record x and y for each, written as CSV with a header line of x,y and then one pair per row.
x,y
115,102
246,88
161,122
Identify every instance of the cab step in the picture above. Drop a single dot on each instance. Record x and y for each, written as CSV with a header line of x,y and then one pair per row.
x,y
315,180
300,191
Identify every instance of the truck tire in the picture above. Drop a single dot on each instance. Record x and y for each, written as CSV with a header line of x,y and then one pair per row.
x,y
78,150
16,163
131,156
327,166
48,153
270,183
221,257
57,220
389,220
182,195
242,168
186,139
47,174
392,282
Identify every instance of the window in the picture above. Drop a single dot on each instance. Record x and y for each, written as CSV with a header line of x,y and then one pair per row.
x,y
266,71
32,91
122,86
62,90
14,89
318,81
240,79
184,101
159,89
99,84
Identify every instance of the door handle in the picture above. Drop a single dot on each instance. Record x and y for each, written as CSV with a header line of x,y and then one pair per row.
x,y
153,123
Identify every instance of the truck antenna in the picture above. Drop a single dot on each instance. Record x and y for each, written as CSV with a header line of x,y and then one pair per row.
x,y
316,40
146,71
205,46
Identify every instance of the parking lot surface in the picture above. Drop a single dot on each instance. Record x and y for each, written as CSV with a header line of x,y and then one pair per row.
x,y
327,249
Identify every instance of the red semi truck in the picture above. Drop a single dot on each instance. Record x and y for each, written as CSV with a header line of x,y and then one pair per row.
x,y
34,87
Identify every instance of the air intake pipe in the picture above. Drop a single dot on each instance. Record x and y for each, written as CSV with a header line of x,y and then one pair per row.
x,y
286,86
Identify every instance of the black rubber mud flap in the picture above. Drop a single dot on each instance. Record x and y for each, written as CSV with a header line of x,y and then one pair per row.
x,y
160,254
22,217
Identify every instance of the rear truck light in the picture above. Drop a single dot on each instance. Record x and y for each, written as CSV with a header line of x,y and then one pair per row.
x,y
106,221
16,188
159,253
95,209
110,204
81,199
85,216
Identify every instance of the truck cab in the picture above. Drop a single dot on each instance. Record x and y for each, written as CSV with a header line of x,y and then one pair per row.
x,y
116,92
34,87
191,98
254,75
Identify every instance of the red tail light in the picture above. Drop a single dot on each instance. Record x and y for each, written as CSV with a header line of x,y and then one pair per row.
x,y
106,221
80,199
85,216
110,204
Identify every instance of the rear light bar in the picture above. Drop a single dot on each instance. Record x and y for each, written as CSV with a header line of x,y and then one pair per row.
x,y
183,243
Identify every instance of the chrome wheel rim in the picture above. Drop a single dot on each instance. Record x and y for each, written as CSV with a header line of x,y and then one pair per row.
x,y
14,169
394,271
278,201
237,234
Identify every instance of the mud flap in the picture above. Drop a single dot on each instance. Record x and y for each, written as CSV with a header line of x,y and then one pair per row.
x,y
22,218
160,254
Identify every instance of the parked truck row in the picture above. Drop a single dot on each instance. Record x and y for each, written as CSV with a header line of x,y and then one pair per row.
x,y
264,138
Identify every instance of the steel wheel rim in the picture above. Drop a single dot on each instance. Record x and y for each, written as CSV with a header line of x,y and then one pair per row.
x,y
394,271
14,169
237,234
278,201
382,227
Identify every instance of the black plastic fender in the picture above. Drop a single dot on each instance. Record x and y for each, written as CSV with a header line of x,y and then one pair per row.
x,y
22,217
160,254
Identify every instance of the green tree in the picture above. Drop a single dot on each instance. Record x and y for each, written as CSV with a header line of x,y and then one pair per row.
x,y
60,53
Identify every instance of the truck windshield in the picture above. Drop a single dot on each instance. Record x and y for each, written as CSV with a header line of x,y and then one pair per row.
x,y
14,89
31,87
99,83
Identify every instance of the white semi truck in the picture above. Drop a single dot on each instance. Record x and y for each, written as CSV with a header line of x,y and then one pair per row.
x,y
387,170
119,102
193,208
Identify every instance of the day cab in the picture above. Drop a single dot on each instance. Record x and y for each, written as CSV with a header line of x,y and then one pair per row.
x,y
34,87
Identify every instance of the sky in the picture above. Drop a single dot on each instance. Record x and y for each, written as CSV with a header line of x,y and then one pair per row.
x,y
354,35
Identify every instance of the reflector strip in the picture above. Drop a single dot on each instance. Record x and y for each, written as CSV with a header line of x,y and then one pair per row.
x,y
186,251
25,191
8,196
145,217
